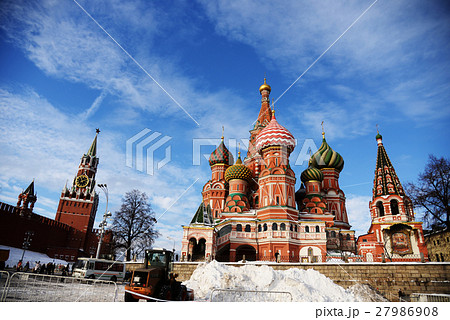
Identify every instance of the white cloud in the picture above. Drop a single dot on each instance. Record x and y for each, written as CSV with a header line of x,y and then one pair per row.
x,y
379,56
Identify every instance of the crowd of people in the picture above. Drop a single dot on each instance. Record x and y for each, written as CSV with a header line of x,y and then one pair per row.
x,y
43,268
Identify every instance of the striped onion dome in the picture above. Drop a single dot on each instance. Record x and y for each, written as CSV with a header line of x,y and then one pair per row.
x,y
311,174
326,157
238,171
274,134
221,155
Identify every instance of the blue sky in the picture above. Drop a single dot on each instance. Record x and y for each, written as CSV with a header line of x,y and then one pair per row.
x,y
184,69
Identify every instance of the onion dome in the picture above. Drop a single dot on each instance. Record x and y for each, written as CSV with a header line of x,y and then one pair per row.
x,y
378,136
311,174
265,86
221,155
274,134
326,157
238,171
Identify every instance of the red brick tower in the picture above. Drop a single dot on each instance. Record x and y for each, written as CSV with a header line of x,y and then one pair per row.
x,y
78,204
253,159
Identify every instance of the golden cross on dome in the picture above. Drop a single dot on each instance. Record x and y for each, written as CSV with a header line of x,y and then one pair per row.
x,y
222,131
323,131
377,129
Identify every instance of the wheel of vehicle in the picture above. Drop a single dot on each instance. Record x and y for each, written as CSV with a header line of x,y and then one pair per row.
x,y
129,298
166,293
182,294
113,278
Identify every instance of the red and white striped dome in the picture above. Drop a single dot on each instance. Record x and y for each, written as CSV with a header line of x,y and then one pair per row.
x,y
274,135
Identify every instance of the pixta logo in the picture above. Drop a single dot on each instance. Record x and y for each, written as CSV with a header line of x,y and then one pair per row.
x,y
307,148
141,148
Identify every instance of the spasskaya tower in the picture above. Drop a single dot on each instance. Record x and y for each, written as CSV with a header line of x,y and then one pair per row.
x,y
78,203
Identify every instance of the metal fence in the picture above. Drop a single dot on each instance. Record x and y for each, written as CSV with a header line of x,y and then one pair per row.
x,y
4,279
236,295
425,297
29,287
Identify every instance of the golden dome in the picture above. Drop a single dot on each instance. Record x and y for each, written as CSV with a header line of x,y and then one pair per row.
x,y
265,86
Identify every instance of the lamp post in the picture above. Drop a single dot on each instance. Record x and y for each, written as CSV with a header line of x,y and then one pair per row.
x,y
26,242
173,243
106,215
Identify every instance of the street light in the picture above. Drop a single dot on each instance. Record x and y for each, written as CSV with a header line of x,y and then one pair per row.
x,y
106,215
173,243
26,242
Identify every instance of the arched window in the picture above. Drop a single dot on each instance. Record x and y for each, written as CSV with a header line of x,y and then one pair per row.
x,y
274,226
348,236
394,207
265,226
307,229
333,234
239,227
310,252
247,228
317,229
380,209
295,227
259,228
282,227
277,199
291,227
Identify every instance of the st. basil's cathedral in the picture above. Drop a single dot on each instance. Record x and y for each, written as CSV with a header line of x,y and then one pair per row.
x,y
250,209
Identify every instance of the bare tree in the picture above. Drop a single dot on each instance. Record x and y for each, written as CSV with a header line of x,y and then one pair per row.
x,y
133,224
431,192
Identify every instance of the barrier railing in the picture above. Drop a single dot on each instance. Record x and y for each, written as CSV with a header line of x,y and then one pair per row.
x,y
237,295
31,287
4,279
426,297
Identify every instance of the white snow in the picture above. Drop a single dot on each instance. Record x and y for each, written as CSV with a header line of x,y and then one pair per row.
x,y
303,285
15,254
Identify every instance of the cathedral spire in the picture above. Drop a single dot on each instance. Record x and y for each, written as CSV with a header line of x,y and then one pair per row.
x,y
93,149
265,113
386,181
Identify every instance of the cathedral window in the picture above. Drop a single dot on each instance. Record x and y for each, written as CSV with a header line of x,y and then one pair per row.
x,y
239,227
282,227
259,228
277,200
394,207
307,229
317,229
380,209
265,226
333,234
274,227
247,228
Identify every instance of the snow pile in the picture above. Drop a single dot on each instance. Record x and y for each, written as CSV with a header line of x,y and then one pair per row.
x,y
304,285
15,255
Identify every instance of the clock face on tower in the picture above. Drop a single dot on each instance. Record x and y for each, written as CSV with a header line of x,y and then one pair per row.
x,y
82,181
